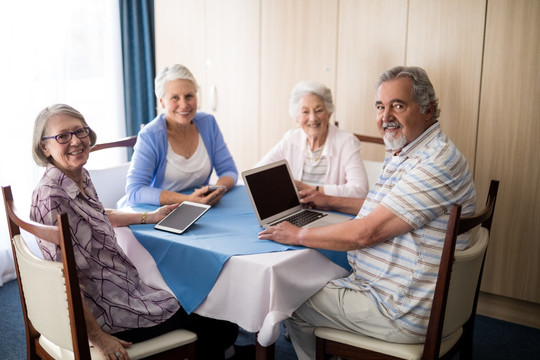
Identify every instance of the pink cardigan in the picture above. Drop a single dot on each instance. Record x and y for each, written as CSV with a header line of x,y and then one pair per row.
x,y
345,176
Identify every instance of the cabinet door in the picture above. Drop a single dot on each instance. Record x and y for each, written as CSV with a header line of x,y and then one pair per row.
x,y
231,91
509,137
372,38
446,39
218,40
179,35
298,42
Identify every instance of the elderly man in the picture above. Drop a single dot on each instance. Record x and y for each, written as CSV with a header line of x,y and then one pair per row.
x,y
394,245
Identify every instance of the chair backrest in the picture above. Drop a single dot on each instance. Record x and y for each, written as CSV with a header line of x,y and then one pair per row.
x,y
465,276
370,139
373,168
50,295
468,268
110,182
125,142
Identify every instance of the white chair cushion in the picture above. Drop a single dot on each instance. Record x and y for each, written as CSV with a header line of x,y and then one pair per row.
x,y
404,351
136,351
373,169
110,183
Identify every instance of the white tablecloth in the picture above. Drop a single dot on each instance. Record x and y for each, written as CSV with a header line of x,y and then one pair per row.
x,y
254,291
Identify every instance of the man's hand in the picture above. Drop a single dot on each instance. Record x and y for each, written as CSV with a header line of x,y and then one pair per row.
x,y
283,233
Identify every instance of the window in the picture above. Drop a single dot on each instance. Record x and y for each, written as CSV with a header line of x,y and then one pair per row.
x,y
56,51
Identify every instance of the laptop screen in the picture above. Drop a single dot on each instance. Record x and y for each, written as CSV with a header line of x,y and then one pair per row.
x,y
272,190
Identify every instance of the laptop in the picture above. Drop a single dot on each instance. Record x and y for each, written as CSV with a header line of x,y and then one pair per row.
x,y
275,198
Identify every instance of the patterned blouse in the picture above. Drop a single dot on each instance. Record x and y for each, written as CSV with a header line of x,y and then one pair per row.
x,y
109,282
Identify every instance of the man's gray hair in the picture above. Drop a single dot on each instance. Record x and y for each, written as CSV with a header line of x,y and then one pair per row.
x,y
423,91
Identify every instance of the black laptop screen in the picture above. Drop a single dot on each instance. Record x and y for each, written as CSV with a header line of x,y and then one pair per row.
x,y
272,191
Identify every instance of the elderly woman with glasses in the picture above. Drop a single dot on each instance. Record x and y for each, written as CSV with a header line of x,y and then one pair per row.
x,y
115,314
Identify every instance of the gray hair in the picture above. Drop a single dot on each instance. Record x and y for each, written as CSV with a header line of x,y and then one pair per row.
x,y
423,91
40,126
169,73
304,88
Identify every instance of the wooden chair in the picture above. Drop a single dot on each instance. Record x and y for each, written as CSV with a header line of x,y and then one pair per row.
x,y
373,168
52,304
110,182
370,139
125,142
451,322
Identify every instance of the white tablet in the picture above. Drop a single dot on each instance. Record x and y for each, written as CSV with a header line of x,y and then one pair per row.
x,y
182,217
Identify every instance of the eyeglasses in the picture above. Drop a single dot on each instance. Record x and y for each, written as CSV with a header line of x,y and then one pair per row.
x,y
65,137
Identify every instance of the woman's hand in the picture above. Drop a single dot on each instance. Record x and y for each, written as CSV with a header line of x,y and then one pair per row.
x,y
157,215
111,347
314,199
205,195
302,186
317,199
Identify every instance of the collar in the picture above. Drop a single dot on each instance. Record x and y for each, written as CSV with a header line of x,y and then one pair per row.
x,y
65,182
421,141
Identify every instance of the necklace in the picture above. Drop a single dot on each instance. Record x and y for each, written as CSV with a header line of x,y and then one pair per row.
x,y
189,144
310,153
184,143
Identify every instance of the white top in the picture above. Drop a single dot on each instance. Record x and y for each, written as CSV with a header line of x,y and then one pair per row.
x,y
182,173
271,285
315,167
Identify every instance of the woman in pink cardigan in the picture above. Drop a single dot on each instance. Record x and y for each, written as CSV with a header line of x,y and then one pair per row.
x,y
323,158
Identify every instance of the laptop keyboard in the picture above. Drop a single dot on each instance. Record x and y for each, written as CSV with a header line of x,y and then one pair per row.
x,y
303,218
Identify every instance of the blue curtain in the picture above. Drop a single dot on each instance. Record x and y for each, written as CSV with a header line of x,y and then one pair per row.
x,y
137,29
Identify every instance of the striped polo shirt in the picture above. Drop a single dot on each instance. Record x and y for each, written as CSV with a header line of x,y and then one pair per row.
x,y
419,185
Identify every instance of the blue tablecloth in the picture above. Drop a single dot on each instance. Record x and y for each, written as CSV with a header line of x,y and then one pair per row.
x,y
190,263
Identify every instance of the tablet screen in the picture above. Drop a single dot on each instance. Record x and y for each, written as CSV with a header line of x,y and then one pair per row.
x,y
182,217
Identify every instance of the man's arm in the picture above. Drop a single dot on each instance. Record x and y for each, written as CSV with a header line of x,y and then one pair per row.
x,y
319,200
381,224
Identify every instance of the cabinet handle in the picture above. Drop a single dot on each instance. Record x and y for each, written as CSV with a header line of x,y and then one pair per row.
x,y
213,97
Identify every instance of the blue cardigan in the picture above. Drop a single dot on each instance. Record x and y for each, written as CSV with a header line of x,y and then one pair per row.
x,y
147,169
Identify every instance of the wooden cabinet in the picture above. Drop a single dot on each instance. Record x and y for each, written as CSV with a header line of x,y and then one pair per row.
x,y
298,42
372,38
508,138
445,38
219,42
481,56
180,34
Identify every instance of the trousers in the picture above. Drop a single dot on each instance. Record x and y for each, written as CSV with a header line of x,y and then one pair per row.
x,y
213,336
340,308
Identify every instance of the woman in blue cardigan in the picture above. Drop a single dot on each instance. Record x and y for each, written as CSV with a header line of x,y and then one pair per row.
x,y
179,149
